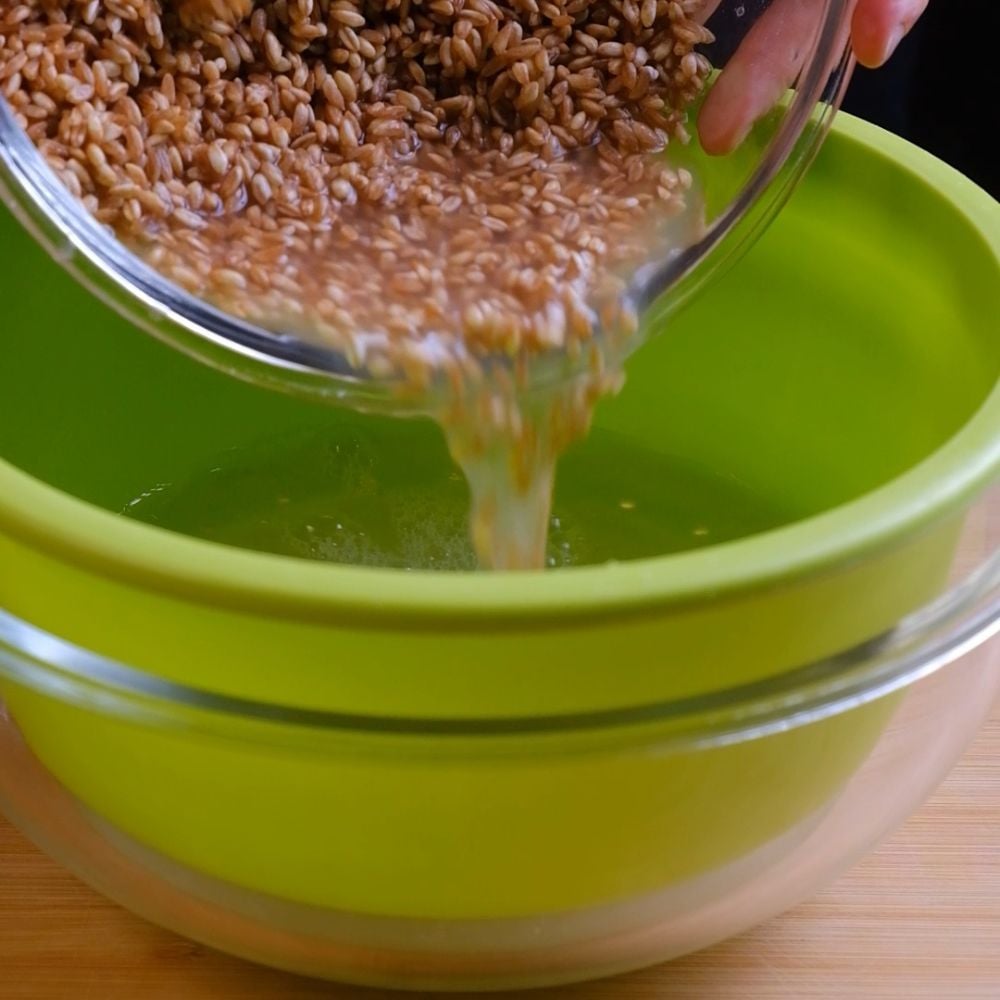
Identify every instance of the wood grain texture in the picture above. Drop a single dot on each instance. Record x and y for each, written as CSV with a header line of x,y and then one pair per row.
x,y
918,920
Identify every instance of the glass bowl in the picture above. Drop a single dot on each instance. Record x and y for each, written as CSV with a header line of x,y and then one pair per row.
x,y
834,755
741,192
460,780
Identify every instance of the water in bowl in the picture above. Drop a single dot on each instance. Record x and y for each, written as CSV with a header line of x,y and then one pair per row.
x,y
344,496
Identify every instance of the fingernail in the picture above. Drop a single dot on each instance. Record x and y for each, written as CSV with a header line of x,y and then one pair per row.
x,y
897,34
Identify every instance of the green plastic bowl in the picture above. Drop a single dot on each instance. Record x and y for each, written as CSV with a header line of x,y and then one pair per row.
x,y
465,746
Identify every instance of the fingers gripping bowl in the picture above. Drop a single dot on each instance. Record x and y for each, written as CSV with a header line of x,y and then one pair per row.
x,y
456,780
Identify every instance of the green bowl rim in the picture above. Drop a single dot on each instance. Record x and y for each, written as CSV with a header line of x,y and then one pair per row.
x,y
192,569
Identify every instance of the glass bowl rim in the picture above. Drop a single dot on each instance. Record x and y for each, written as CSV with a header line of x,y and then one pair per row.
x,y
955,623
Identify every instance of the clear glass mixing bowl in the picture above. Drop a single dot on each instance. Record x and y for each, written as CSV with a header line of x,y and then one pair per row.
x,y
742,191
890,716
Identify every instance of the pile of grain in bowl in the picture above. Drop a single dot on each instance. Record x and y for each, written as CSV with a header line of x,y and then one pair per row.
x,y
422,185
461,175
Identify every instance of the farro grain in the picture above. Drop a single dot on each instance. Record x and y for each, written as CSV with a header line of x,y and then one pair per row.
x,y
421,185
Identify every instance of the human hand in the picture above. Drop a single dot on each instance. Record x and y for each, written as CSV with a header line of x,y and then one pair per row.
x,y
773,52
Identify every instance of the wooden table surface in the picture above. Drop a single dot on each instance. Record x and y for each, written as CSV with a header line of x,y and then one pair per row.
x,y
918,920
